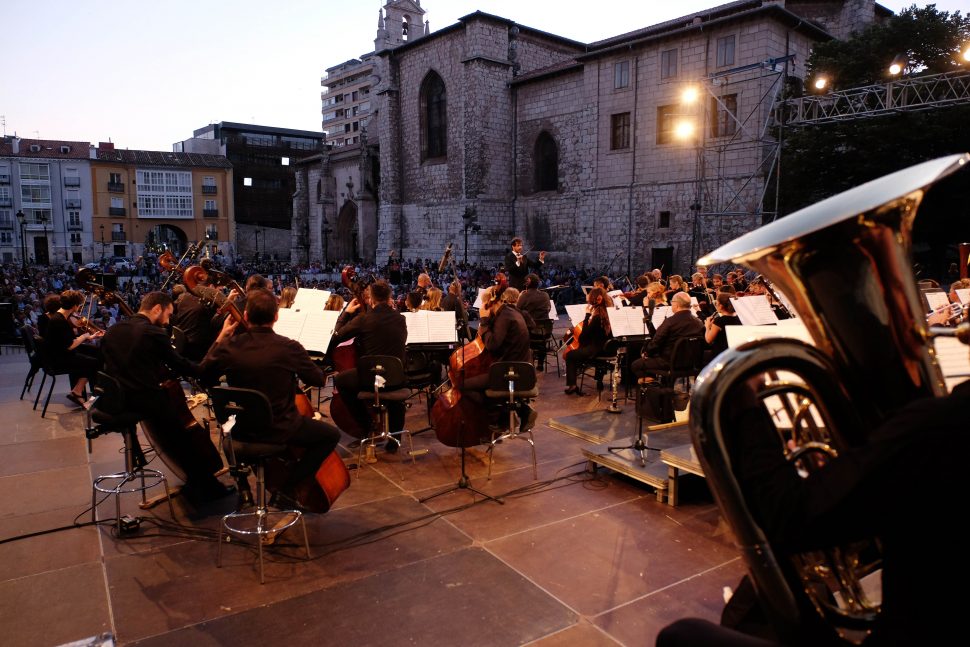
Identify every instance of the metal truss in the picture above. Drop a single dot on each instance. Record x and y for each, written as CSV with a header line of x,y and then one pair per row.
x,y
903,95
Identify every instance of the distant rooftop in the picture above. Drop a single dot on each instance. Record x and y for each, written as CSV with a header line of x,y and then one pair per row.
x,y
162,158
46,148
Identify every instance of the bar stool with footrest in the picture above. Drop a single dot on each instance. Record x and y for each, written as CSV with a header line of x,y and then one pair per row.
x,y
247,412
107,415
511,385
388,383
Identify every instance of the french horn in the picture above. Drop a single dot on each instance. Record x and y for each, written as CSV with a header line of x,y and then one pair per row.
x,y
845,266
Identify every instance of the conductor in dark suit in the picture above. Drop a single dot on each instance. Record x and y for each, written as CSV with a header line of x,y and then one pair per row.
x,y
682,323
381,330
257,358
518,265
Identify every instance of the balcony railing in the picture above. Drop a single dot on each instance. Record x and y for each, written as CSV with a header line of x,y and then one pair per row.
x,y
75,226
118,237
72,203
209,189
116,187
210,213
72,181
117,211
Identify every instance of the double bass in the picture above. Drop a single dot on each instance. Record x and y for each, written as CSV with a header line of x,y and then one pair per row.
x,y
344,357
459,421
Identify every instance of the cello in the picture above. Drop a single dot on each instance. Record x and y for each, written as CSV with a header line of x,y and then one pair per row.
x,y
344,357
458,420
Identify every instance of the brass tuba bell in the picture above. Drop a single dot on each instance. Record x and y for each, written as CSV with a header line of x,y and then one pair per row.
x,y
844,264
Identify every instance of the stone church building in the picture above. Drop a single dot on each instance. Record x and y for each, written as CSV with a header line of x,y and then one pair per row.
x,y
487,129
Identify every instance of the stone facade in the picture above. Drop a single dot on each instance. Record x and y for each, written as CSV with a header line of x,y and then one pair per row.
x,y
648,201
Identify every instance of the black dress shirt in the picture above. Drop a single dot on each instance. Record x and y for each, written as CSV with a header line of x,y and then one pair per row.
x,y
506,336
379,331
535,303
680,324
519,268
140,356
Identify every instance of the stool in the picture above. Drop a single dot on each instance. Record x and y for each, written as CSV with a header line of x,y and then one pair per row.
x,y
382,371
136,477
250,410
512,384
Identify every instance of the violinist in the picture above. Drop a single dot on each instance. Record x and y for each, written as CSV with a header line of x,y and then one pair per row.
x,y
506,337
453,302
259,359
637,297
52,302
699,291
432,300
335,303
380,330
675,284
62,346
603,282
592,338
287,296
139,354
518,264
714,327
194,318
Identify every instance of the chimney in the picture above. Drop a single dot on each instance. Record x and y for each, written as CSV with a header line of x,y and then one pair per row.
x,y
16,145
106,146
92,151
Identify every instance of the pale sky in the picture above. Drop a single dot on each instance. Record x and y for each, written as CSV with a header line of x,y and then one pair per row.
x,y
146,74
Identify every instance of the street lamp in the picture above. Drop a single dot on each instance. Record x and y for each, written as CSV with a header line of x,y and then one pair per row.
x,y
101,227
23,237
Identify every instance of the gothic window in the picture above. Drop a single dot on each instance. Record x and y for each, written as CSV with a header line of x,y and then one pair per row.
x,y
434,118
546,163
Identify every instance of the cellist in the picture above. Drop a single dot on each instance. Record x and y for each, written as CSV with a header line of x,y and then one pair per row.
x,y
506,338
592,338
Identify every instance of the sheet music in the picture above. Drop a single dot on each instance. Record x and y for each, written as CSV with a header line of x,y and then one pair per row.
x,y
627,321
576,313
554,315
478,299
310,300
425,327
936,299
785,301
617,296
659,314
754,310
737,335
963,294
312,329
953,356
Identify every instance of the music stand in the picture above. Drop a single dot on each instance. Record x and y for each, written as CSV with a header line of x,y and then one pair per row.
x,y
639,443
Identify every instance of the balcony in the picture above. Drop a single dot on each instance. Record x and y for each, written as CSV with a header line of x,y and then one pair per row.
x,y
117,211
72,203
210,213
75,226
4,178
6,224
209,189
118,237
6,202
72,181
116,187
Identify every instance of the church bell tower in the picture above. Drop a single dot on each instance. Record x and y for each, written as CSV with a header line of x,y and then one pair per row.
x,y
399,22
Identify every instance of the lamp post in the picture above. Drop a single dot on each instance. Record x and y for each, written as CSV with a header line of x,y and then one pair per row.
x,y
23,238
101,227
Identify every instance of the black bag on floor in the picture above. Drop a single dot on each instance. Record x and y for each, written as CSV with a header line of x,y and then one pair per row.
x,y
656,403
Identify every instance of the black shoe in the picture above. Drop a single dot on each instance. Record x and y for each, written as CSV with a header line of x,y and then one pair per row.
x,y
246,499
392,445
528,420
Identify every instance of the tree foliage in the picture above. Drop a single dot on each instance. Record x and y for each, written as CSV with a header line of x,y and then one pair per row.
x,y
823,160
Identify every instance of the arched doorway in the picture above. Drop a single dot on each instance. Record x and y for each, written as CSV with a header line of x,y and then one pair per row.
x,y
162,237
346,236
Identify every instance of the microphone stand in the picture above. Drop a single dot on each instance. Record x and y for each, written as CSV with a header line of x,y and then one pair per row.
x,y
640,442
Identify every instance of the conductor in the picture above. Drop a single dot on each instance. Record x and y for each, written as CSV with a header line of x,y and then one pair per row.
x,y
518,265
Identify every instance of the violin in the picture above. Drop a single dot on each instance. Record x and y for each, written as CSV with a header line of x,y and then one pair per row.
x,y
87,279
83,323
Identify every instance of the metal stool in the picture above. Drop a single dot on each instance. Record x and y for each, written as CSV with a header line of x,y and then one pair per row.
x,y
382,371
103,419
512,384
250,411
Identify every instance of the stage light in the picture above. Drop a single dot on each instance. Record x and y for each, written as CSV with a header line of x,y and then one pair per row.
x,y
966,54
689,95
898,65
820,83
684,129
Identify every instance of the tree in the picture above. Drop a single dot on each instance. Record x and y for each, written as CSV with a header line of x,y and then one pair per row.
x,y
822,160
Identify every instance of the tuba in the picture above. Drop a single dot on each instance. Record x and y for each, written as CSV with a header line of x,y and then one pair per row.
x,y
844,264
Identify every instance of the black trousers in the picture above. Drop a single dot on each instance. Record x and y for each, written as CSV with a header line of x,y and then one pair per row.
x,y
318,439
646,366
348,384
575,358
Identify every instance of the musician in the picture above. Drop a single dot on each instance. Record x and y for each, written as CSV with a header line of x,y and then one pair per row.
x,y
259,359
656,294
453,302
413,301
675,284
518,264
424,284
603,282
640,293
857,495
138,353
432,300
62,346
194,318
714,327
287,296
592,339
682,323
381,330
52,303
506,338
335,303
533,301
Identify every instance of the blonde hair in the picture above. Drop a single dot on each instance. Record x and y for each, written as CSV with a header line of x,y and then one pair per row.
x,y
432,299
287,296
511,296
335,303
657,292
